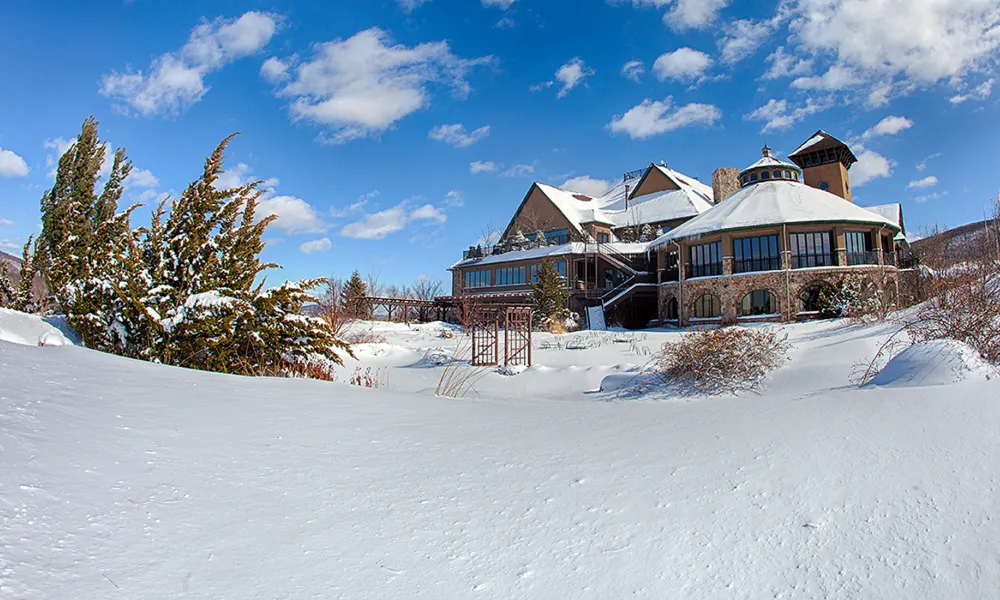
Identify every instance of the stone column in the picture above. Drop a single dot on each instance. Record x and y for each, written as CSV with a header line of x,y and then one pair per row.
x,y
727,265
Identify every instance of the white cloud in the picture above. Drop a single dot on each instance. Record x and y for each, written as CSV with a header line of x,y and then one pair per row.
x,y
928,181
361,86
6,222
587,185
920,40
931,196
241,175
980,92
141,178
409,6
871,165
354,208
501,4
456,135
634,70
786,65
275,70
295,215
376,226
651,118
12,165
570,75
922,165
175,81
692,14
742,39
478,166
778,115
454,199
314,246
519,171
888,126
837,77
683,64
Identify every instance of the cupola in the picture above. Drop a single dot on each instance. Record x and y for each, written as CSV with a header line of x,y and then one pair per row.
x,y
769,168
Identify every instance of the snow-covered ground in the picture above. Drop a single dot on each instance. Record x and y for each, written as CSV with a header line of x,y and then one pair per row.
x,y
123,479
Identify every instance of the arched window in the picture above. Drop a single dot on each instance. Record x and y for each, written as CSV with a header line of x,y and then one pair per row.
x,y
777,174
811,299
824,186
758,302
707,307
795,175
671,311
745,179
765,175
788,174
753,177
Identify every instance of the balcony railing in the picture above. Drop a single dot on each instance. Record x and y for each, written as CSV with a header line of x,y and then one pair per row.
x,y
750,265
707,270
672,273
862,258
809,261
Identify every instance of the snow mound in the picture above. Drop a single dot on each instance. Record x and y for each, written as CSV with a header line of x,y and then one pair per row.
x,y
32,330
937,362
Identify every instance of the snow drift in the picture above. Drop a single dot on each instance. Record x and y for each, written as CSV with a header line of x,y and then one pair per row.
x,y
935,362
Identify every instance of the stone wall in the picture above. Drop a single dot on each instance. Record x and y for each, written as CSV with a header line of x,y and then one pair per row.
x,y
786,288
725,183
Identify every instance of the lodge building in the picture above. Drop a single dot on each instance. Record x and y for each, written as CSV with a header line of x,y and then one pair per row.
x,y
759,244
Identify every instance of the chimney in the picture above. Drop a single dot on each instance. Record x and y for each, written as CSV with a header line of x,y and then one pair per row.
x,y
626,196
725,183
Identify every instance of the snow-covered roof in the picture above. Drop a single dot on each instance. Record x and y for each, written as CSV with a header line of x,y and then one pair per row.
x,y
819,137
551,251
692,199
893,212
774,203
770,161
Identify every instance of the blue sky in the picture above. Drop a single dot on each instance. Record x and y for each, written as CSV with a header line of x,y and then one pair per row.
x,y
391,131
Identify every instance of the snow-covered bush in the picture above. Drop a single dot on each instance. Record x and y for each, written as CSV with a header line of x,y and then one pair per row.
x,y
857,296
968,312
728,360
365,336
446,333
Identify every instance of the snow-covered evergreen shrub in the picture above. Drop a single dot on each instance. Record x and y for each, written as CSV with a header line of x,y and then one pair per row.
x,y
727,360
550,298
855,295
186,290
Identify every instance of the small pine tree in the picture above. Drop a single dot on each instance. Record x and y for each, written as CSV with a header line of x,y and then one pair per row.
x,y
354,291
519,241
540,240
549,294
21,296
647,234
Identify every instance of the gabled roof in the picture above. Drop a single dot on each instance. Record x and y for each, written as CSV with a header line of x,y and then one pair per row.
x,y
685,183
774,203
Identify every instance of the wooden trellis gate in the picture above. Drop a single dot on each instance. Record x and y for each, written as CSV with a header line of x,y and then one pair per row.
x,y
517,337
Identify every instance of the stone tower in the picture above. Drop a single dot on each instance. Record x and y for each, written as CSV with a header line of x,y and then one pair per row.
x,y
725,182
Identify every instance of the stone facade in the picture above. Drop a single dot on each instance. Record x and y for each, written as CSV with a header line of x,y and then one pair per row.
x,y
786,288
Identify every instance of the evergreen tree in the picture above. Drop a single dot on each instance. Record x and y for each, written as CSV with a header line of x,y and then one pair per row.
x,y
354,290
549,293
185,290
76,242
21,296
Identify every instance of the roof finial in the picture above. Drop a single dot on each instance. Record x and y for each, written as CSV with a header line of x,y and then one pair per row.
x,y
766,151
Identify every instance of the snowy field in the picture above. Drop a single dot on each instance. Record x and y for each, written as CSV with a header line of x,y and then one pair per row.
x,y
123,479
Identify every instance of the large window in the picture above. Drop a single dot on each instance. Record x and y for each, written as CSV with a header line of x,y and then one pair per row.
x,y
509,276
476,279
758,302
707,307
857,245
706,260
756,254
811,249
556,237
536,268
